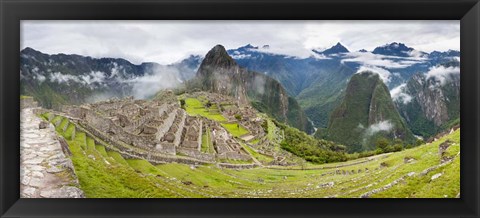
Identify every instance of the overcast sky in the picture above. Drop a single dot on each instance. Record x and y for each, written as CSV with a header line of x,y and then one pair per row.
x,y
170,41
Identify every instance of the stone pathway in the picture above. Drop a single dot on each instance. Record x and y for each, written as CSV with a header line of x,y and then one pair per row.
x,y
45,171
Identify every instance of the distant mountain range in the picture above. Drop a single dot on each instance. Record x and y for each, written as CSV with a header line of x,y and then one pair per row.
x,y
318,82
58,79
424,86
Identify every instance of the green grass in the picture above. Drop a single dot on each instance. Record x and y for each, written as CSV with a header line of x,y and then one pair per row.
x,y
25,97
255,141
55,119
62,124
69,130
260,157
99,179
117,157
235,129
195,107
207,144
271,130
90,144
120,178
101,150
144,167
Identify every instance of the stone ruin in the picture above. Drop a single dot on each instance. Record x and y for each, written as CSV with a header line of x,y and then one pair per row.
x,y
156,127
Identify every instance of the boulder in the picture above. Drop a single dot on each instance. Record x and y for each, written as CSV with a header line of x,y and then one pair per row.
x,y
43,124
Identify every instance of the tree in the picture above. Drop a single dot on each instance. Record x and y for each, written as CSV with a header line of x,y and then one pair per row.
x,y
182,103
397,147
382,143
419,142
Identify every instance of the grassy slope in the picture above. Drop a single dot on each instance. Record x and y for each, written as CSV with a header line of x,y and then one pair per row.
x,y
138,178
195,107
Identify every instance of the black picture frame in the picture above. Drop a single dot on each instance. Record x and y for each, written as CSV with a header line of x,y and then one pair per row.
x,y
13,11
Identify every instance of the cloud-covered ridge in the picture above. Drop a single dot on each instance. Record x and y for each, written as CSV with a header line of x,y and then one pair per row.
x,y
399,95
442,74
384,74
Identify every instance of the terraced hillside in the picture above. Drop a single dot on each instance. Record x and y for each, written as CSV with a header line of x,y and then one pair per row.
x,y
429,170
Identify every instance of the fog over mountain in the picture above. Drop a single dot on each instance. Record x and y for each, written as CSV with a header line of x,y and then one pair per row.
x,y
313,61
167,42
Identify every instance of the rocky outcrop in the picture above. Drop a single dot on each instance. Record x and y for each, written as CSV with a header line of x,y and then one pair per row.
x,y
45,170
219,73
432,102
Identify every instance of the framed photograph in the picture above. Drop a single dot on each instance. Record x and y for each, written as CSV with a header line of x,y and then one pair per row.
x,y
239,108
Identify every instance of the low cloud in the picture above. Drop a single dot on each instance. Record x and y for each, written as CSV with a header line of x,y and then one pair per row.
x,y
159,78
384,74
385,126
39,77
100,97
259,84
93,77
390,62
63,78
116,70
399,95
156,78
442,74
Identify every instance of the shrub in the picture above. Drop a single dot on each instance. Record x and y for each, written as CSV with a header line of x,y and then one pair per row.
x,y
382,144
419,142
208,104
182,103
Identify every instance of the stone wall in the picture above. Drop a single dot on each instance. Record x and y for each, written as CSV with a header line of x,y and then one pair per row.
x,y
167,123
150,156
181,123
45,169
196,154
237,166
107,126
234,155
165,147
74,111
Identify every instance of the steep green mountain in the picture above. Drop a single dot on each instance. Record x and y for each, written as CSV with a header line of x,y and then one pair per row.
x,y
315,82
431,102
366,114
221,74
73,79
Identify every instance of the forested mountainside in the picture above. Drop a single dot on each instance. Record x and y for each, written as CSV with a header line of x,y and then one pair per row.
x,y
366,114
221,74
73,79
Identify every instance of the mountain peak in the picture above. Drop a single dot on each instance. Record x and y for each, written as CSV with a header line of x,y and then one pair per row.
x,y
246,47
29,50
394,49
218,57
366,113
338,48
